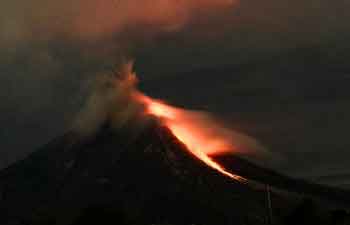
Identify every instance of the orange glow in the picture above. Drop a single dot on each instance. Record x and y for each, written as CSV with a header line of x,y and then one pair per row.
x,y
195,133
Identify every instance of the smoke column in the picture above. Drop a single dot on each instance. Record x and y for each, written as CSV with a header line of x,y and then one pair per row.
x,y
118,101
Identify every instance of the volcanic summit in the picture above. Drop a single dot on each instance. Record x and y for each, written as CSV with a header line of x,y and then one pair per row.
x,y
151,175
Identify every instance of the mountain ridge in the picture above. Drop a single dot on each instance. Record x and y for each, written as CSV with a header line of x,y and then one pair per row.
x,y
147,176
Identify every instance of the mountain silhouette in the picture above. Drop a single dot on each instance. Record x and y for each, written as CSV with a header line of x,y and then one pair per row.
x,y
118,176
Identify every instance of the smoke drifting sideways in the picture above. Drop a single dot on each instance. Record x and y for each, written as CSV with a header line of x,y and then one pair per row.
x,y
117,100
112,96
45,42
93,19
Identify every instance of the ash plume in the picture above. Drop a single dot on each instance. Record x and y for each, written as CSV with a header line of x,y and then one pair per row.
x,y
115,99
111,101
94,20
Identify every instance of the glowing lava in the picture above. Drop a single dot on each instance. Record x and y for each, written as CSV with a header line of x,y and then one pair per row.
x,y
194,130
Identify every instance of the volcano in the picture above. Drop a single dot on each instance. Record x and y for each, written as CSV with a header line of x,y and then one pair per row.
x,y
120,177
147,162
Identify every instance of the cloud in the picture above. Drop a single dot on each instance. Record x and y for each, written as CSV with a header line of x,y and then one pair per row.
x,y
95,19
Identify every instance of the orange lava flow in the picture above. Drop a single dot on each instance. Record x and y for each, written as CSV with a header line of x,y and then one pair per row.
x,y
191,132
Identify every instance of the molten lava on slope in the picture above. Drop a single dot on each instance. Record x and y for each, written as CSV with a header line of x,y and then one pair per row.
x,y
195,134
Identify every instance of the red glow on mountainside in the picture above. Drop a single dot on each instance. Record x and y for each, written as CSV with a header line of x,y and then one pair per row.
x,y
194,133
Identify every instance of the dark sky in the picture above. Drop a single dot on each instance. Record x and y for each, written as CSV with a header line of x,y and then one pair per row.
x,y
277,70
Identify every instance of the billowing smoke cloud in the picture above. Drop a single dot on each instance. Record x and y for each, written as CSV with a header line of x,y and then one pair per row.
x,y
100,18
117,101
112,101
95,19
50,48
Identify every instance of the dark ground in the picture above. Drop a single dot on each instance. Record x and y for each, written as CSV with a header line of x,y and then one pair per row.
x,y
150,178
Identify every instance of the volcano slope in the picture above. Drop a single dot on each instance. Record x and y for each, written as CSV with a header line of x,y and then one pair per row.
x,y
120,177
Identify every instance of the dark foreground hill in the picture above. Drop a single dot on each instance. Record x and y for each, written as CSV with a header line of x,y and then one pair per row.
x,y
118,177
